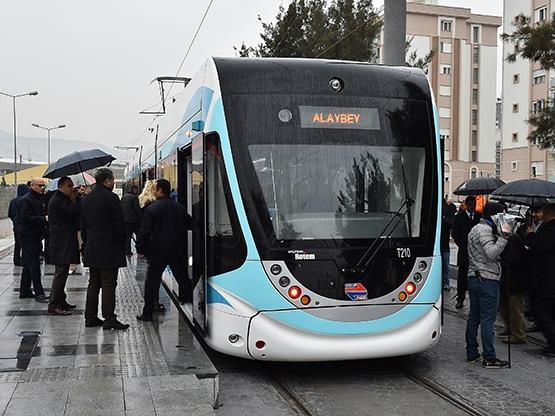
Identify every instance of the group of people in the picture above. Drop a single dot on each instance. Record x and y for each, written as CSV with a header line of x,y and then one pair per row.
x,y
502,270
95,226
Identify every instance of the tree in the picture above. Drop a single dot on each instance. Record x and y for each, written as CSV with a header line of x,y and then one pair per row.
x,y
344,29
413,60
536,42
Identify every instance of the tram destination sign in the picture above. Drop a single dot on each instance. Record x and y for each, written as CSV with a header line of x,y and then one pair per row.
x,y
339,118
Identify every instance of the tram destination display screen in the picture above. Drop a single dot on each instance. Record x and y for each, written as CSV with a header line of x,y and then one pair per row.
x,y
339,118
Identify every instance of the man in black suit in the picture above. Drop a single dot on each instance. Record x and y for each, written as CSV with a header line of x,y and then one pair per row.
x,y
31,225
103,234
162,239
464,221
63,244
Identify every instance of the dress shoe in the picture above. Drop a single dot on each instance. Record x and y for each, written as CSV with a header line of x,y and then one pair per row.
x,y
66,305
533,328
94,322
159,308
25,296
459,304
144,317
58,311
42,298
114,324
548,351
513,340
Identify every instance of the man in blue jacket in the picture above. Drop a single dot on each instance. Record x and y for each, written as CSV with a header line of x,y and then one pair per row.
x,y
22,190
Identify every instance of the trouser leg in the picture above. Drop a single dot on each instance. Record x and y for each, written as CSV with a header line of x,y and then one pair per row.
x,y
489,304
545,309
518,322
179,270
504,308
109,281
25,284
91,305
445,254
462,281
129,234
473,320
152,285
31,268
17,249
58,293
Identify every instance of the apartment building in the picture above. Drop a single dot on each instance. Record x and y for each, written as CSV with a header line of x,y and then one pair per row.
x,y
463,77
526,89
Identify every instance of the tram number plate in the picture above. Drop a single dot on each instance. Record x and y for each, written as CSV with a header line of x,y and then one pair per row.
x,y
403,253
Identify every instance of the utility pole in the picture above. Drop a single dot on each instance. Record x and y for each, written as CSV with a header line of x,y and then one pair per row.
x,y
156,153
394,32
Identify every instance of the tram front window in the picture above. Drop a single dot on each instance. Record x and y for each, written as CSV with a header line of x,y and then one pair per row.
x,y
339,190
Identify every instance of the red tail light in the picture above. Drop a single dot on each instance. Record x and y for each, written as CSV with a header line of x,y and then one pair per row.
x,y
294,292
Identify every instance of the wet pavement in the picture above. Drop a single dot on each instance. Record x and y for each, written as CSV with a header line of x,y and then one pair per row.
x,y
54,365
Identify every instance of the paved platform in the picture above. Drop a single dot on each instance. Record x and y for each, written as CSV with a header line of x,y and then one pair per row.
x,y
54,365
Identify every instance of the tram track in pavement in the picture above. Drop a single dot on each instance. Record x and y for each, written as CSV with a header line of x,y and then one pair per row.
x,y
499,328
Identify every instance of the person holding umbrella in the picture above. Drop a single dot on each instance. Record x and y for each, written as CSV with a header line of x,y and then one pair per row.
x,y
541,243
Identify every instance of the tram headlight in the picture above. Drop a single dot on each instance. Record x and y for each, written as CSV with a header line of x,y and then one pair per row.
x,y
417,277
294,292
336,84
410,288
284,281
275,269
422,265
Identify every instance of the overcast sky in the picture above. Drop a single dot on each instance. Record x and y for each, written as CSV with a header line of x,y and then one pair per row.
x,y
92,62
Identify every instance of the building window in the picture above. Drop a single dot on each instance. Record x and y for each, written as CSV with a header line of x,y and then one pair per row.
x,y
515,137
474,117
537,169
445,90
445,112
475,75
473,173
474,156
446,26
514,166
475,55
474,138
446,47
515,108
445,69
538,106
516,78
538,76
475,96
542,14
475,34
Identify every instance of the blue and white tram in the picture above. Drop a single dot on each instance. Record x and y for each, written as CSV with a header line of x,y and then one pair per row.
x,y
314,188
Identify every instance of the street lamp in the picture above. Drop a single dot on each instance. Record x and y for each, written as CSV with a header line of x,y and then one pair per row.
x,y
13,97
49,129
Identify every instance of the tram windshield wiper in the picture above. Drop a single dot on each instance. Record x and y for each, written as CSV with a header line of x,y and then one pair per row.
x,y
370,253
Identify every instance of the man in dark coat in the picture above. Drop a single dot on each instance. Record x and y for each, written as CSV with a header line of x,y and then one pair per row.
x,y
22,190
31,224
131,215
103,234
448,214
63,244
464,221
542,249
163,239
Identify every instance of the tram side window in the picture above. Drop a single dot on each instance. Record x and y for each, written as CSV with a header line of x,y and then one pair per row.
x,y
225,243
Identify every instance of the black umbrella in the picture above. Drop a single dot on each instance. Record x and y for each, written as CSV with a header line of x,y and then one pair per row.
x,y
478,186
77,162
523,200
536,189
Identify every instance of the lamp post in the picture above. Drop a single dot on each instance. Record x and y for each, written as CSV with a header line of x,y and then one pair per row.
x,y
49,129
13,97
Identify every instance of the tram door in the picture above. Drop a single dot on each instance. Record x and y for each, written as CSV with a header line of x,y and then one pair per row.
x,y
198,174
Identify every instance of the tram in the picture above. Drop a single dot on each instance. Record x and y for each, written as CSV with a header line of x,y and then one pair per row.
x,y
314,187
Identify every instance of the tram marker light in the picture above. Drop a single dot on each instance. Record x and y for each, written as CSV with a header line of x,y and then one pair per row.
x,y
259,344
422,265
305,300
410,288
294,292
284,281
233,338
275,269
402,296
417,277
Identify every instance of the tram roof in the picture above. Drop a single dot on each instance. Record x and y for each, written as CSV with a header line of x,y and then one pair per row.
x,y
312,76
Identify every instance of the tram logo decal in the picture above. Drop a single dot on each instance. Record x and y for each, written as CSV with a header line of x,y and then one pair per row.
x,y
356,291
301,255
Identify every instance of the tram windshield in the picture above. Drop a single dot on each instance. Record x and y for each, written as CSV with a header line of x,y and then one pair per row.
x,y
339,191
334,168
